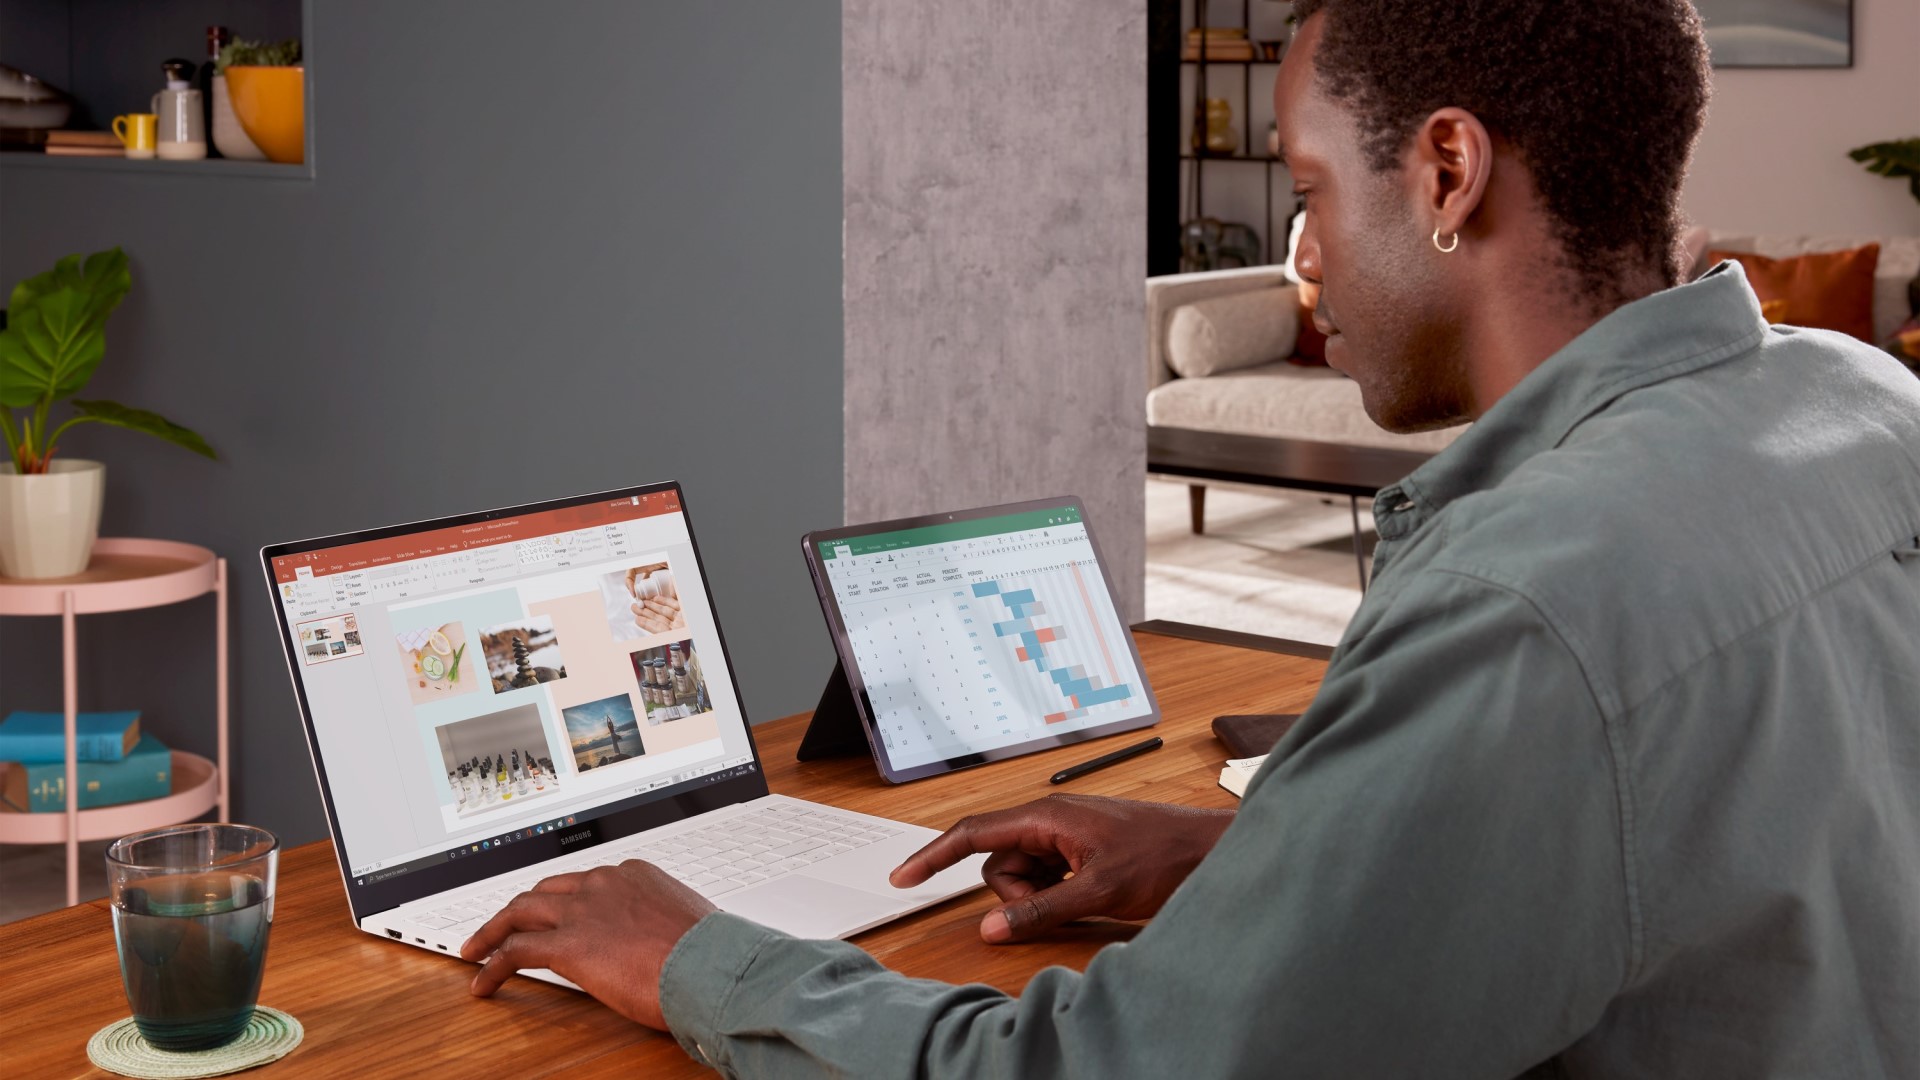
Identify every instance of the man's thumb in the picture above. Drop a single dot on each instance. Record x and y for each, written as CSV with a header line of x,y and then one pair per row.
x,y
1037,912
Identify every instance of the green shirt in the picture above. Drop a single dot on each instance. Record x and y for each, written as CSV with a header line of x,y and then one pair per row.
x,y
1615,773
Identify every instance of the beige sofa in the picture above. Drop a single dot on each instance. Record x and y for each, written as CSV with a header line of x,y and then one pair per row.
x,y
1284,400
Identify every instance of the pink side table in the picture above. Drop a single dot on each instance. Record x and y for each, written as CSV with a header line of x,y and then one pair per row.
x,y
124,574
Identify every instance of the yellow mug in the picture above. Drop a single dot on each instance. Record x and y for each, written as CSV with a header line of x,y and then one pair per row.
x,y
137,132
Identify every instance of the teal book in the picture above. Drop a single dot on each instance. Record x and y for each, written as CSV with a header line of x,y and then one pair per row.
x,y
39,737
147,773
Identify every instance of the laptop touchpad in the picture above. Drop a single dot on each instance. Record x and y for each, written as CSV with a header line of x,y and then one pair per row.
x,y
808,907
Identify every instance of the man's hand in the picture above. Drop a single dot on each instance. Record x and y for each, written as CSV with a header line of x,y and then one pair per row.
x,y
1067,857
608,930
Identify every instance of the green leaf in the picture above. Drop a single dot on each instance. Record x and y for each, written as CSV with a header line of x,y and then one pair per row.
x,y
61,345
55,336
107,280
13,357
1898,158
243,53
108,412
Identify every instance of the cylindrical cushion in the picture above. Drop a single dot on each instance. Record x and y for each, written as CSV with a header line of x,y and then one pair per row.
x,y
1226,333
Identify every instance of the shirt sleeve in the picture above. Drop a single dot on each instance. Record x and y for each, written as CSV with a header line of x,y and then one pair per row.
x,y
1427,878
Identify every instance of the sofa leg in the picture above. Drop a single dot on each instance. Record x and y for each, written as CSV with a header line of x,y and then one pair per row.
x,y
1197,507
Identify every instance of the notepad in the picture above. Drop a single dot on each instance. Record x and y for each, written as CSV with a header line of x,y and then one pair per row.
x,y
1238,771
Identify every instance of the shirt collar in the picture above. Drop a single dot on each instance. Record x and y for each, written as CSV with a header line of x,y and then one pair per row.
x,y
1658,337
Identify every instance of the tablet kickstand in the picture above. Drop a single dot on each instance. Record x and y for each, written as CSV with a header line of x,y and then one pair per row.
x,y
835,730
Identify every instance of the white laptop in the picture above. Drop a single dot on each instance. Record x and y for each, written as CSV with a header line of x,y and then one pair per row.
x,y
498,697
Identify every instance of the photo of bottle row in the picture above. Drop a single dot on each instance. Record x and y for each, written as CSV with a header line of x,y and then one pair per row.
x,y
497,760
671,683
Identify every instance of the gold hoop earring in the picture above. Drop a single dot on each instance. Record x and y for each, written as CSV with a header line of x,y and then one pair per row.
x,y
1436,242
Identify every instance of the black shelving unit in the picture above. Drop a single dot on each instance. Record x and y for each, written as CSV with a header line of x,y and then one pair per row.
x,y
1166,71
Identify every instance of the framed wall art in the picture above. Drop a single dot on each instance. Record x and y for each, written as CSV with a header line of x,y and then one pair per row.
x,y
1779,33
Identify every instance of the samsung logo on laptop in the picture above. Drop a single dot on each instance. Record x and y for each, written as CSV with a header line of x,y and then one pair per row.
x,y
575,838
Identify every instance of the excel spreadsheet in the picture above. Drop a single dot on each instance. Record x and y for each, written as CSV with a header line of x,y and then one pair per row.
x,y
983,634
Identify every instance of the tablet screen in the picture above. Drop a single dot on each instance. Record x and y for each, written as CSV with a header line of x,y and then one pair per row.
x,y
984,634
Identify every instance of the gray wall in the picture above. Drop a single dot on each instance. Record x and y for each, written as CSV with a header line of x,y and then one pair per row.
x,y
995,199
546,250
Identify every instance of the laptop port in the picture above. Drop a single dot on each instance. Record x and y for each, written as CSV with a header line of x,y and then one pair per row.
x,y
394,934
442,948
421,940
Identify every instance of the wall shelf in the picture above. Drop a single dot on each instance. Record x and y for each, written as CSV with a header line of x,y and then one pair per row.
x,y
236,170
1263,159
106,55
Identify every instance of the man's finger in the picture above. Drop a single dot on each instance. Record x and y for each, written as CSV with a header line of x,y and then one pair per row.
x,y
1018,829
561,883
535,949
527,912
1014,874
1042,910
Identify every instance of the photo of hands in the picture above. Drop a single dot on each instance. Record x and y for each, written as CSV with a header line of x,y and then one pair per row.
x,y
642,601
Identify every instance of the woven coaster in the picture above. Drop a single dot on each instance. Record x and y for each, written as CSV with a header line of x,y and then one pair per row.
x,y
120,1048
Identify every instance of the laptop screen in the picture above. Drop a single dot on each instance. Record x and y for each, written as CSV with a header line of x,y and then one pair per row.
x,y
474,685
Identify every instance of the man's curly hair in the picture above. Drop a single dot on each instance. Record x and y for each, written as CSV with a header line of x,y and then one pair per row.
x,y
1601,98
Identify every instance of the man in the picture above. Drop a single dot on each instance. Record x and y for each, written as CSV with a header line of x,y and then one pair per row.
x,y
1617,770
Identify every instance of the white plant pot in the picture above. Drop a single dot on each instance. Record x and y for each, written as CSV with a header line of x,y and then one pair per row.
x,y
228,136
48,522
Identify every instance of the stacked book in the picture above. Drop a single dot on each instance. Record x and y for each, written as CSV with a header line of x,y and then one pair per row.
x,y
84,144
1222,43
117,764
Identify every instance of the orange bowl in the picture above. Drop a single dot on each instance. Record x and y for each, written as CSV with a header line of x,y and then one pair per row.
x,y
271,105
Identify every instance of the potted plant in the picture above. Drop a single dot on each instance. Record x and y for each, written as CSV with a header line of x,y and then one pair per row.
x,y
1899,159
268,88
54,339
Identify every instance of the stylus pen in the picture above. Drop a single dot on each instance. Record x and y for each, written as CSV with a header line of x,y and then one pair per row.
x,y
1115,758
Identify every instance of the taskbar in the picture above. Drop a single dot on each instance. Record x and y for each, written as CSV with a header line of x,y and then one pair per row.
x,y
653,790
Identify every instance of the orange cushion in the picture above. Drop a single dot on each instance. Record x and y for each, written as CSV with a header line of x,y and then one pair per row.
x,y
1828,290
1310,348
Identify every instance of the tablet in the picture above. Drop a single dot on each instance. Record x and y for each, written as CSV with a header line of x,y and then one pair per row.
x,y
978,635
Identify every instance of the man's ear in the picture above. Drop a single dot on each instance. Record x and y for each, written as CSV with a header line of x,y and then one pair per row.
x,y
1453,159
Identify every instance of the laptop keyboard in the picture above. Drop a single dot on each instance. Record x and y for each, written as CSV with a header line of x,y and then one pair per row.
x,y
736,852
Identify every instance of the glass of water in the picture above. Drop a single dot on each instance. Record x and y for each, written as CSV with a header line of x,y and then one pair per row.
x,y
192,905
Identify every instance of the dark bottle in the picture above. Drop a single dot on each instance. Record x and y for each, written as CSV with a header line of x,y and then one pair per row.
x,y
682,682
217,38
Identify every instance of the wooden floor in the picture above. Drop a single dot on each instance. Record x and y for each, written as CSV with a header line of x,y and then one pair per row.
x,y
376,1009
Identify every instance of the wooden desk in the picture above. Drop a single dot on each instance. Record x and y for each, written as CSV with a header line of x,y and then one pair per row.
x,y
377,1009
